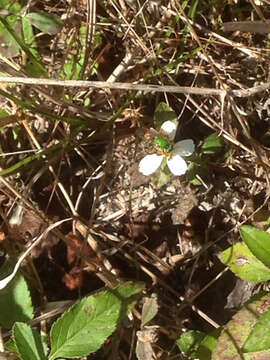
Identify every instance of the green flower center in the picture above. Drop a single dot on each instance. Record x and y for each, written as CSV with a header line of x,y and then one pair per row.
x,y
164,143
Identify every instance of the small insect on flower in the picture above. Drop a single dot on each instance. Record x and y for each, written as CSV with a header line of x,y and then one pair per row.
x,y
167,149
164,144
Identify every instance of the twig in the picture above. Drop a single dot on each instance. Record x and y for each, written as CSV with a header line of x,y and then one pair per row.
x,y
90,32
110,85
139,87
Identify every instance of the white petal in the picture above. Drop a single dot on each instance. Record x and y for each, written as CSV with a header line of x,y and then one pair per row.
x,y
177,165
184,147
169,128
150,163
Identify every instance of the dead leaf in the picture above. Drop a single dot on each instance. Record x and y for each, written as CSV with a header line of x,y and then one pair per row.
x,y
73,280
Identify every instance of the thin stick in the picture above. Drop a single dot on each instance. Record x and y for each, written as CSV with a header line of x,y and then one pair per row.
x,y
110,85
138,87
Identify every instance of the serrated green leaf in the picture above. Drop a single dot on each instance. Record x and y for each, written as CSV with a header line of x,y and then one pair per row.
x,y
15,300
47,23
212,144
244,264
258,242
164,113
259,339
149,310
233,337
189,342
28,342
84,328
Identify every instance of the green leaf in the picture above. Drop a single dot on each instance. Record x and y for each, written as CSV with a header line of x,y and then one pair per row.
x,y
13,32
207,345
258,242
42,156
28,342
197,168
129,293
11,346
47,23
236,332
11,6
75,56
9,46
3,114
244,264
193,8
189,342
164,113
84,327
212,144
259,339
28,33
149,310
31,67
15,300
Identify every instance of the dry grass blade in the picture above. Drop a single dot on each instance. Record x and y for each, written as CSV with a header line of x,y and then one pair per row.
x,y
138,87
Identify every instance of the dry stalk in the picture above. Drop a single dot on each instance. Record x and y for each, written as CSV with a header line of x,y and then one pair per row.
x,y
139,87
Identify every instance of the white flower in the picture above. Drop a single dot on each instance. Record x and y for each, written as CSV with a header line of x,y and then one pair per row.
x,y
178,166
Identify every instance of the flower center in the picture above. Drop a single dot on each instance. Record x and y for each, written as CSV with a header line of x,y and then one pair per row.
x,y
164,144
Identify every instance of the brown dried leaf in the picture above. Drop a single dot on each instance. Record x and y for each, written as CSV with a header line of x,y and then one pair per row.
x,y
77,246
73,280
2,236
